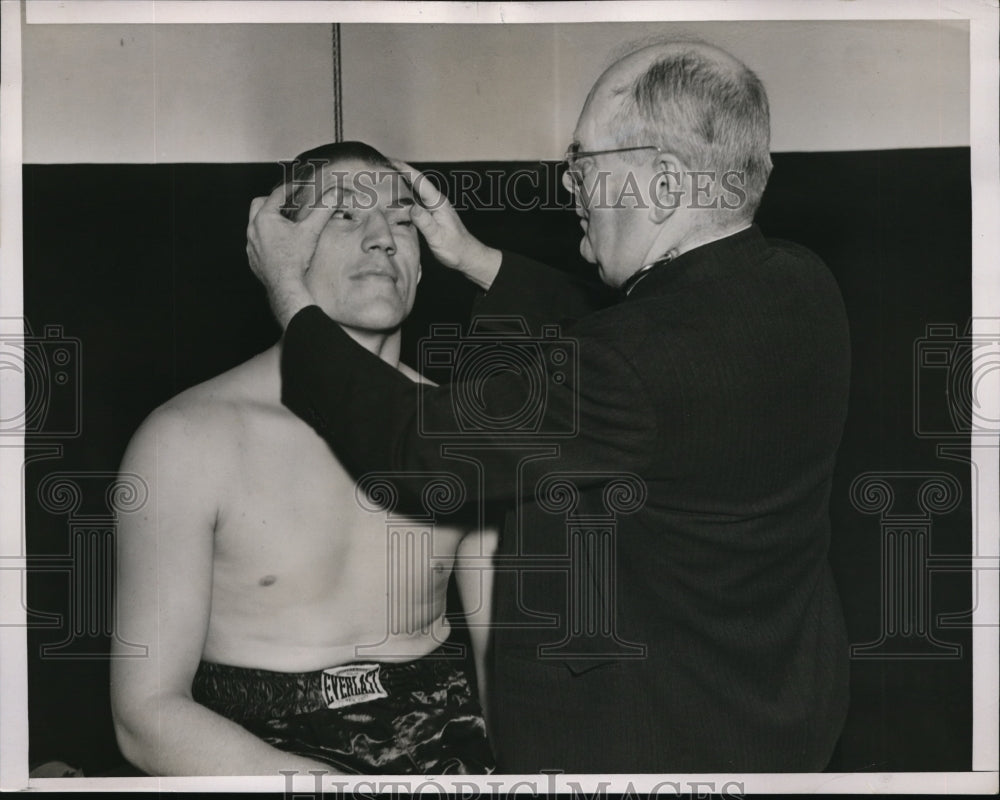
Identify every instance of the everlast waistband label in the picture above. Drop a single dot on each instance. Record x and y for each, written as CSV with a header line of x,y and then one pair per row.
x,y
350,684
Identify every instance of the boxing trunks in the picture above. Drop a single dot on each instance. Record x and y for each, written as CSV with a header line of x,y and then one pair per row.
x,y
419,716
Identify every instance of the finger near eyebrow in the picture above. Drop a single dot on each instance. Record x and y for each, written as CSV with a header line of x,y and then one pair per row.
x,y
303,196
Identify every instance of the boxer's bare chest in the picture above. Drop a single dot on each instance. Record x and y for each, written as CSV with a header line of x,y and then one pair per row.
x,y
299,554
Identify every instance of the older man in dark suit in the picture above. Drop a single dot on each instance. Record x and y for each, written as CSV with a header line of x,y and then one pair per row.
x,y
663,600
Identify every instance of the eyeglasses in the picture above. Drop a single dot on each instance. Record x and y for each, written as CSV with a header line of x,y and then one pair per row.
x,y
573,155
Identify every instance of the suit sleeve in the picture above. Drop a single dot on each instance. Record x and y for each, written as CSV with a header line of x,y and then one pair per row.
x,y
538,294
586,404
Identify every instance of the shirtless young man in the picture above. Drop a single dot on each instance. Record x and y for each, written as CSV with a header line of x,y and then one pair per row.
x,y
286,629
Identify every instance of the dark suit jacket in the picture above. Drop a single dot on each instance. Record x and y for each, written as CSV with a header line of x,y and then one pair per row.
x,y
663,599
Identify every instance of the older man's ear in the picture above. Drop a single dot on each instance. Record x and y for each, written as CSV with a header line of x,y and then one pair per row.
x,y
668,187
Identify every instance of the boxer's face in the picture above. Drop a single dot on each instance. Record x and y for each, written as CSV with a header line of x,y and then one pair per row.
x,y
366,266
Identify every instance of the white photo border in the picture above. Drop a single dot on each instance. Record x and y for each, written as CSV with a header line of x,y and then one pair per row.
x,y
985,168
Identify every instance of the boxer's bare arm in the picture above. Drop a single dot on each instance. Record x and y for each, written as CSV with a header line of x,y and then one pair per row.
x,y
164,557
474,579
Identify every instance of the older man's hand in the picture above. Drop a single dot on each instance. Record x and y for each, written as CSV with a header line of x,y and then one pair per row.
x,y
446,235
280,251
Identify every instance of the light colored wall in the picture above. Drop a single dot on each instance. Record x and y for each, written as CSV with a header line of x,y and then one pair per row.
x,y
505,93
175,93
252,93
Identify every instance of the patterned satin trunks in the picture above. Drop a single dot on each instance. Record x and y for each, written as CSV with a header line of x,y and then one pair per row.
x,y
370,718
